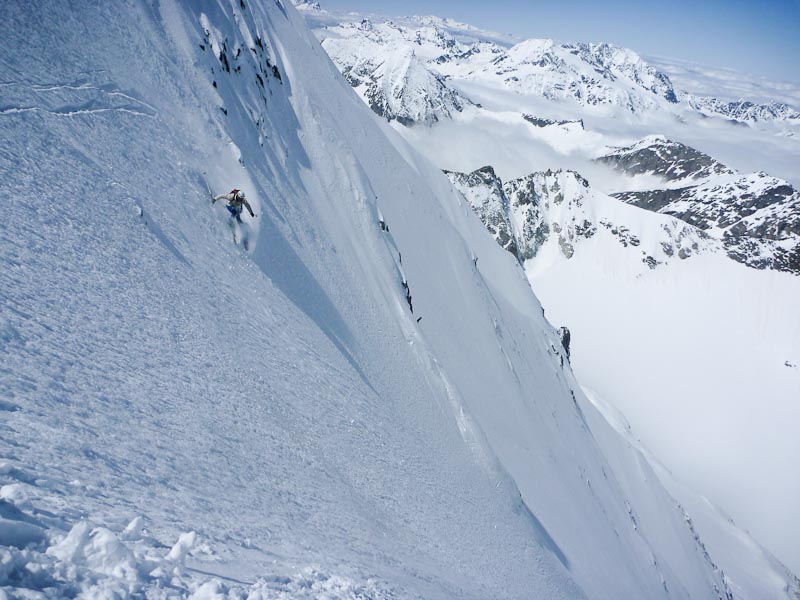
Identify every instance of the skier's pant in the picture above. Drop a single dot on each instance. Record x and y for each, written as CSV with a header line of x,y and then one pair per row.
x,y
235,212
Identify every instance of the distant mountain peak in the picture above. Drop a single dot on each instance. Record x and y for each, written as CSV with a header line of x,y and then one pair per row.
x,y
393,80
756,216
657,155
745,111
307,5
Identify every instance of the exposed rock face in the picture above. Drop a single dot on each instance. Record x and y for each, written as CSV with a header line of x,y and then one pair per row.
x,y
656,155
539,122
566,337
484,191
559,210
523,213
756,216
550,203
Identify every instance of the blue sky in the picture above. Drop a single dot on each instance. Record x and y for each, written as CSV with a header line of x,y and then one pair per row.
x,y
761,38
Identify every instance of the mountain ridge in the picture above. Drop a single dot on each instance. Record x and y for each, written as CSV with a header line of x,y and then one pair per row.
x,y
559,210
591,81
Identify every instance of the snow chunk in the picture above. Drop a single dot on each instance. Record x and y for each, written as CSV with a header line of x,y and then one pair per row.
x,y
134,529
181,548
210,590
97,549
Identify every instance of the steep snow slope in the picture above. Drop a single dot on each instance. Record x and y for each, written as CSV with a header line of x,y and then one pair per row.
x,y
506,132
751,571
280,405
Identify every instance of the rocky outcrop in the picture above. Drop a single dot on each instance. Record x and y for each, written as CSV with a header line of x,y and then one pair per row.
x,y
757,217
483,189
656,155
559,210
566,338
550,203
539,122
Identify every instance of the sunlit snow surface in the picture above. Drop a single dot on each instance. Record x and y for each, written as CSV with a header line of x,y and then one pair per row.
x,y
181,416
702,354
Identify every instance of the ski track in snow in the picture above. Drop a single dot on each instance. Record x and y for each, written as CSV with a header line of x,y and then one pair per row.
x,y
70,99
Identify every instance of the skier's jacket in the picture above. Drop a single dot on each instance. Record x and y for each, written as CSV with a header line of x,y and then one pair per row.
x,y
234,200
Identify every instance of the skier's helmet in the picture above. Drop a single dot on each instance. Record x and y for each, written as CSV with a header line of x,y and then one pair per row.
x,y
240,195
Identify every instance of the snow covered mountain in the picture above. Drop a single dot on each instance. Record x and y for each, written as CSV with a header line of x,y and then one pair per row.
x,y
745,111
672,161
551,213
685,323
184,415
590,74
395,83
756,216
307,5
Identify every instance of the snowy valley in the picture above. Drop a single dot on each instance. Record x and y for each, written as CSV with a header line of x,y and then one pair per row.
x,y
365,399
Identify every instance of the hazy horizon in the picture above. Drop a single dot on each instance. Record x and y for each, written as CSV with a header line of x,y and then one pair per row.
x,y
759,39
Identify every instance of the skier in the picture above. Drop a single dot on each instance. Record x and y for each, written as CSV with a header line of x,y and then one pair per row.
x,y
234,200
